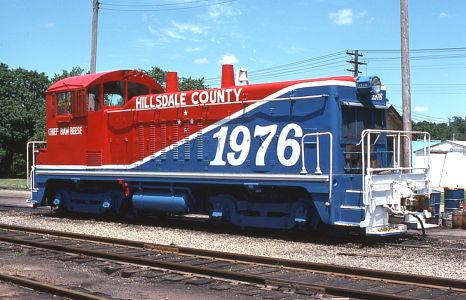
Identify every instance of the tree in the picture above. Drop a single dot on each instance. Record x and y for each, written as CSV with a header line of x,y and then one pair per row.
x,y
185,83
457,131
75,71
443,131
158,74
188,84
22,103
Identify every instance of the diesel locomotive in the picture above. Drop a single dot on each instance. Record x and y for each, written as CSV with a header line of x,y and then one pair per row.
x,y
272,155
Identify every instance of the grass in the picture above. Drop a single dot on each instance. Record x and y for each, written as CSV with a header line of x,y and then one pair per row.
x,y
13,183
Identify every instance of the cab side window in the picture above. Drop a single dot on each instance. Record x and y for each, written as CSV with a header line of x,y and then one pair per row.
x,y
114,93
64,103
93,98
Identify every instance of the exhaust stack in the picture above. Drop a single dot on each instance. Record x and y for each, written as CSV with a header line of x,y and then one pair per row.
x,y
172,82
228,76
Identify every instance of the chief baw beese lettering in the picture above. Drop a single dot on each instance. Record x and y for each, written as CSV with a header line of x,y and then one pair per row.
x,y
74,130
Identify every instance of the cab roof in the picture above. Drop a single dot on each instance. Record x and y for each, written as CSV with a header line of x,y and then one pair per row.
x,y
85,81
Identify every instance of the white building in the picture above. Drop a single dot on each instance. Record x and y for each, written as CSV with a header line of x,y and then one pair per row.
x,y
448,163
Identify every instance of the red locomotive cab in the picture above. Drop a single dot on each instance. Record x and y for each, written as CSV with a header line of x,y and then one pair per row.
x,y
77,108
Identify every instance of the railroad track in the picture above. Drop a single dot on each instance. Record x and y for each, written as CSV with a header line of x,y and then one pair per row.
x,y
48,288
271,272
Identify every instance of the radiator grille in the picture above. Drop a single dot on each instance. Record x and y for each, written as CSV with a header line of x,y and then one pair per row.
x,y
163,140
152,138
175,138
187,144
94,157
140,142
199,142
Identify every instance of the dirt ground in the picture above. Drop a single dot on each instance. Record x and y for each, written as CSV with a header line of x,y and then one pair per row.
x,y
112,280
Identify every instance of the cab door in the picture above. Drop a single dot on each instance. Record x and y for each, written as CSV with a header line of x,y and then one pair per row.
x,y
95,128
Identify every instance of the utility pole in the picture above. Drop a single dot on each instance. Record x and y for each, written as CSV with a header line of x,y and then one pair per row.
x,y
95,16
405,81
355,55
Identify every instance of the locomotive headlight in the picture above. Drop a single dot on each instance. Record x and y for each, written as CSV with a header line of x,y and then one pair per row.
x,y
376,85
366,85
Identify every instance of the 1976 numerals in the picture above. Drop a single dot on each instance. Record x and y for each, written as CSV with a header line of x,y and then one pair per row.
x,y
240,144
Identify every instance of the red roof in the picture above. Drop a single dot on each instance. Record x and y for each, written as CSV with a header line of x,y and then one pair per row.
x,y
84,81
81,81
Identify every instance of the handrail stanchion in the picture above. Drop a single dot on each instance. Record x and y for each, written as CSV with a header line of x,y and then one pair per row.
x,y
30,168
399,150
318,170
368,153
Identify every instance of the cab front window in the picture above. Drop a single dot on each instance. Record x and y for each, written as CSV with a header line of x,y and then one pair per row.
x,y
93,98
114,93
136,89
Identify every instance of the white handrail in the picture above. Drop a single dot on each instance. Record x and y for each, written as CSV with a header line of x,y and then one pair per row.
x,y
30,170
398,134
318,171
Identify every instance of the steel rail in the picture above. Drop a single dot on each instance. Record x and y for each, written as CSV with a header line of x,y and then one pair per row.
x,y
406,279
48,288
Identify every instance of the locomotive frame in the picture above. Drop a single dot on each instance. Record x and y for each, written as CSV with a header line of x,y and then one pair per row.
x,y
275,155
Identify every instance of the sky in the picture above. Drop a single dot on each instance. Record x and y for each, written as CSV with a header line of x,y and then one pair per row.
x,y
273,39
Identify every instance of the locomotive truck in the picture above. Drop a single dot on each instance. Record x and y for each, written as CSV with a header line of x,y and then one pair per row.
x,y
272,155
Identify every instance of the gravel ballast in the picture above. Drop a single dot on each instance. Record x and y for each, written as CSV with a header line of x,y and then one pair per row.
x,y
439,260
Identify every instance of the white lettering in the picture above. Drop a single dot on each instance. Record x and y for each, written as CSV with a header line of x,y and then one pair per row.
x,y
288,149
183,99
194,98
204,97
237,93
138,102
220,96
228,91
151,105
214,96
64,131
53,131
75,130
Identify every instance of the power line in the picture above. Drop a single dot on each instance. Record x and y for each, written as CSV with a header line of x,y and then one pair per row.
x,y
147,5
452,49
302,65
295,67
339,65
105,7
301,62
424,67
423,116
419,57
299,68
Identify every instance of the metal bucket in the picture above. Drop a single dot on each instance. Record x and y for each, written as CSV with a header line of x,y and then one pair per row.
x,y
453,198
457,219
434,205
447,217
